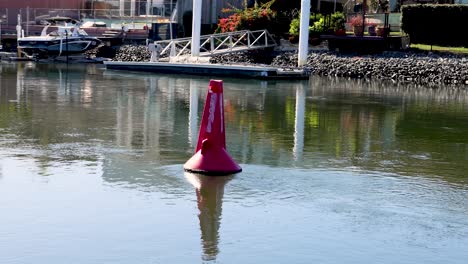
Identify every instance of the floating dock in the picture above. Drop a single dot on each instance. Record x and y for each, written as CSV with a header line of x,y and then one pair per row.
x,y
221,70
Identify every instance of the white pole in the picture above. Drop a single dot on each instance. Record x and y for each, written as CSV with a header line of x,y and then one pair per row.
x,y
122,8
170,23
18,27
196,24
148,5
18,34
132,8
27,21
304,33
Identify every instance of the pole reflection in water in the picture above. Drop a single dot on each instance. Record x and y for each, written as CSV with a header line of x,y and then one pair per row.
x,y
64,89
210,192
124,122
19,83
152,117
299,121
193,114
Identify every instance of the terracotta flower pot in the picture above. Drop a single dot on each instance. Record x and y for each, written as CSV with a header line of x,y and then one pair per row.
x,y
381,31
294,39
340,32
358,31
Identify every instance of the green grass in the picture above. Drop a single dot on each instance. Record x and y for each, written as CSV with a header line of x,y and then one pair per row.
x,y
396,33
392,33
424,47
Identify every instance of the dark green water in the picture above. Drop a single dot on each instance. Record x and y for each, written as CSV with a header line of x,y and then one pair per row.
x,y
334,170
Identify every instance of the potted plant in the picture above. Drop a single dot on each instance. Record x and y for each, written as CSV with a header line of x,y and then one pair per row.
x,y
294,30
356,23
340,32
382,31
371,29
337,23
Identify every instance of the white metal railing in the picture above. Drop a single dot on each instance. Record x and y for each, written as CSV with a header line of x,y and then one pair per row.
x,y
219,43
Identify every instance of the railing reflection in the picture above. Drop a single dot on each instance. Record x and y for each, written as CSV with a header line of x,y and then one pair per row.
x,y
210,192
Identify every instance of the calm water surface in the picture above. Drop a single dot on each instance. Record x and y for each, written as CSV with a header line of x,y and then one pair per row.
x,y
334,171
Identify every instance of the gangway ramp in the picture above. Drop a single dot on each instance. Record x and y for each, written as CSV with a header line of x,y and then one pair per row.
x,y
220,43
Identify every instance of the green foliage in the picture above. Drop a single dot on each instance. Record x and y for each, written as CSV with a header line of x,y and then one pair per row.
x,y
436,24
338,21
294,27
315,18
295,24
318,25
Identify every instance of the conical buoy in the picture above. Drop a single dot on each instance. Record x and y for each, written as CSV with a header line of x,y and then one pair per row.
x,y
211,157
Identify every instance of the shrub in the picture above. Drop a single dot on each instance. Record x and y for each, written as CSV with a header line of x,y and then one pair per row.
x,y
338,20
435,24
356,20
316,24
229,24
318,27
254,18
294,27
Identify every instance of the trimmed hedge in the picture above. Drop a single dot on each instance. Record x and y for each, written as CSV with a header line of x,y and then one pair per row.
x,y
443,25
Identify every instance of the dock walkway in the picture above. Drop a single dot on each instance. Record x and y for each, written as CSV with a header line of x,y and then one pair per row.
x,y
239,71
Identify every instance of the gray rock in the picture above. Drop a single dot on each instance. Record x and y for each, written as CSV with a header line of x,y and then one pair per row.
x,y
408,66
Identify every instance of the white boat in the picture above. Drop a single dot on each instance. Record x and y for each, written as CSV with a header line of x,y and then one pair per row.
x,y
66,40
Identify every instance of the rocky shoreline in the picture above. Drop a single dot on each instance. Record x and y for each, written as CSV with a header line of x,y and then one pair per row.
x,y
423,68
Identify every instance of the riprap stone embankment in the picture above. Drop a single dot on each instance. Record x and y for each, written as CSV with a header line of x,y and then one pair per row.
x,y
406,66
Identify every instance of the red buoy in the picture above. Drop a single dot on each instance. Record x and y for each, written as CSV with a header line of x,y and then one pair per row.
x,y
211,157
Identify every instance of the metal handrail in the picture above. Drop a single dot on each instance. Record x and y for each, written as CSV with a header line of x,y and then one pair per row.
x,y
219,43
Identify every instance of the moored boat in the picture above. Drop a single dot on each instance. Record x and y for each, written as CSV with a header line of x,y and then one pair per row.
x,y
66,40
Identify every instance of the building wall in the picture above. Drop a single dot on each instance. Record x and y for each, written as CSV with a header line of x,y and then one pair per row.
x,y
9,9
68,4
211,9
